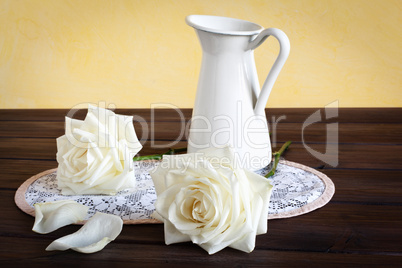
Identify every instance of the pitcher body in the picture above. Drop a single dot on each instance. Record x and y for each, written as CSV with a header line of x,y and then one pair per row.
x,y
230,107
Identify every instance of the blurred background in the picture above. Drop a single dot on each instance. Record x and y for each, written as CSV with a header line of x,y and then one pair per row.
x,y
59,53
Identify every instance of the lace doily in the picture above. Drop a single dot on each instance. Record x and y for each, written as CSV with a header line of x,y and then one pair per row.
x,y
297,189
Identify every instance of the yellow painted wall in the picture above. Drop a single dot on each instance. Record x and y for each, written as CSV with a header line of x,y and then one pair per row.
x,y
59,53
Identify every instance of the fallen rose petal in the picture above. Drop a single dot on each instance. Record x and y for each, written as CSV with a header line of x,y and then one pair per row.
x,y
96,233
51,216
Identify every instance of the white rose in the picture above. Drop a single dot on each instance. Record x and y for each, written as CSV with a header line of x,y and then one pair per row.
x,y
95,155
204,198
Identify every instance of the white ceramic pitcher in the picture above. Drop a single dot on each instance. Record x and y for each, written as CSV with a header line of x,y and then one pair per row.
x,y
229,106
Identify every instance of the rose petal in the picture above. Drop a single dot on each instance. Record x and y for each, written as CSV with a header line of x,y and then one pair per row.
x,y
51,216
172,235
96,233
263,188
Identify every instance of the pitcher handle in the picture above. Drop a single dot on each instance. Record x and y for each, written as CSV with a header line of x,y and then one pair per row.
x,y
284,49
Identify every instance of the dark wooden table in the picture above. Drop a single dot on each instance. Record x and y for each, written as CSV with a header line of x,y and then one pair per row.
x,y
360,227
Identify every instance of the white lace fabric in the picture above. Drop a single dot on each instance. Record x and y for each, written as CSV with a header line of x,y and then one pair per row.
x,y
296,190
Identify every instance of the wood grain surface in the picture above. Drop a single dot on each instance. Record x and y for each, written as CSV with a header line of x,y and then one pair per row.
x,y
360,227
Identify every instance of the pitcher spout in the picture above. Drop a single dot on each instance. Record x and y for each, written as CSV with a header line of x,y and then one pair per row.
x,y
223,25
218,35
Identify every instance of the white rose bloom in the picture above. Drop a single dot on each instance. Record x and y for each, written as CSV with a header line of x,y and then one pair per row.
x,y
95,155
204,198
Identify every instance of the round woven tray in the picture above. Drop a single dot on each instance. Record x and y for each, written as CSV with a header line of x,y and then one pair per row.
x,y
298,189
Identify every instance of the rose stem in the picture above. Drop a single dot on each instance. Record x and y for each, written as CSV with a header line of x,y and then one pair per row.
x,y
277,156
159,156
